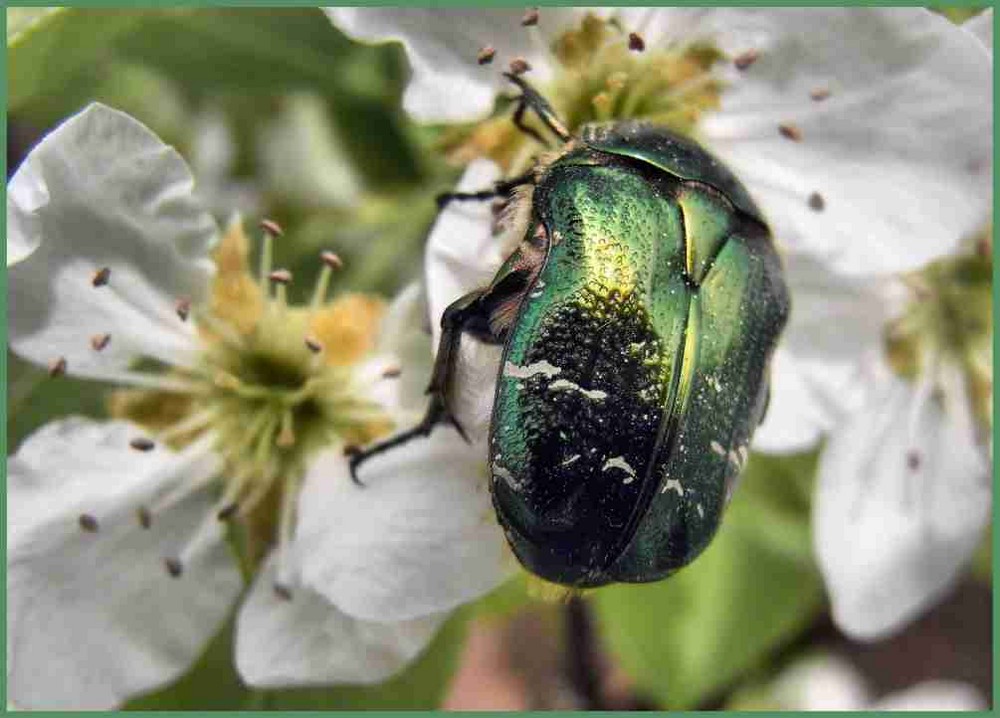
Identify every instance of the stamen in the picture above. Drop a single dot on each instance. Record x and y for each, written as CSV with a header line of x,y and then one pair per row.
x,y
174,567
187,425
816,202
101,277
486,55
88,523
222,330
286,437
227,511
281,278
790,132
519,66
271,230
144,516
313,345
99,341
819,94
331,262
635,42
530,18
141,443
286,526
745,59
183,308
57,367
283,592
392,372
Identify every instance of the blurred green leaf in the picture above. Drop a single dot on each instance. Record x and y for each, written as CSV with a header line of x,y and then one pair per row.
x,y
753,590
213,684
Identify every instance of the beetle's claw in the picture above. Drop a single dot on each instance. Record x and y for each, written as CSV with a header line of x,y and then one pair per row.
x,y
355,457
459,429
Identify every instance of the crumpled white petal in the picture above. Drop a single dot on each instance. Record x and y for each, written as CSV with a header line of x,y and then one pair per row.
x,y
819,370
306,640
93,617
447,84
119,198
421,529
905,132
981,26
903,497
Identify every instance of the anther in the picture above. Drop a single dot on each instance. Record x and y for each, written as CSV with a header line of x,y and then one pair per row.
x,y
99,341
635,42
271,227
145,517
227,511
283,592
313,345
101,277
519,66
280,276
57,367
141,443
816,202
332,260
912,460
530,18
183,308
88,523
392,372
485,55
745,59
351,450
174,567
819,94
790,132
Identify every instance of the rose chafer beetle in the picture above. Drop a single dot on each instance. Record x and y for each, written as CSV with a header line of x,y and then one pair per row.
x,y
638,315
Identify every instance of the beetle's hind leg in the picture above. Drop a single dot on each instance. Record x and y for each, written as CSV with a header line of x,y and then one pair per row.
x,y
457,318
503,188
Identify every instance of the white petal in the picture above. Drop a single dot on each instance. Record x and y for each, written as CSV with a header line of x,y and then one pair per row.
x,y
119,198
419,538
900,151
934,696
462,253
93,617
446,83
819,370
822,682
903,497
981,26
404,340
306,640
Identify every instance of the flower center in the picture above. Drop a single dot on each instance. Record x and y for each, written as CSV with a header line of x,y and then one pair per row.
x,y
274,385
949,323
604,73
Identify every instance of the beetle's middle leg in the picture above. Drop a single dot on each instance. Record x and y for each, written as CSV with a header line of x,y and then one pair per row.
x,y
460,316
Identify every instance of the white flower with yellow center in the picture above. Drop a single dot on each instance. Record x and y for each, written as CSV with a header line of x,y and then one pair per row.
x,y
130,540
864,135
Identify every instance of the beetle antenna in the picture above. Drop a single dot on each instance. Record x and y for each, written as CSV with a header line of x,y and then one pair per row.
x,y
530,97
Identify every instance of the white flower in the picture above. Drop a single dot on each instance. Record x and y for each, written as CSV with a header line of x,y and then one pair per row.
x,y
119,569
864,134
827,682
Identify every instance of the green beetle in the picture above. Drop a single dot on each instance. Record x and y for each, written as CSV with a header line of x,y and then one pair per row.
x,y
638,316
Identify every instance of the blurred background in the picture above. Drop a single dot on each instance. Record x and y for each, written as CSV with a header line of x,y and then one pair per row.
x,y
281,116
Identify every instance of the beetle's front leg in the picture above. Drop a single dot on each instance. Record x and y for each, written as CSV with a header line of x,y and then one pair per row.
x,y
499,189
465,313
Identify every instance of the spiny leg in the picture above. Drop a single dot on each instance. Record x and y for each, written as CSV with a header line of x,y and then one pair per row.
x,y
500,189
530,97
461,312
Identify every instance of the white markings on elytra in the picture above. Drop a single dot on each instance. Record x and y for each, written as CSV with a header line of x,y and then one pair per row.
x,y
509,478
570,460
714,383
561,384
718,448
526,372
618,462
701,511
675,485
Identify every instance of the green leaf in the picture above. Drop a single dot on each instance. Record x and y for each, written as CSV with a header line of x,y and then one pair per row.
x,y
213,684
753,590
